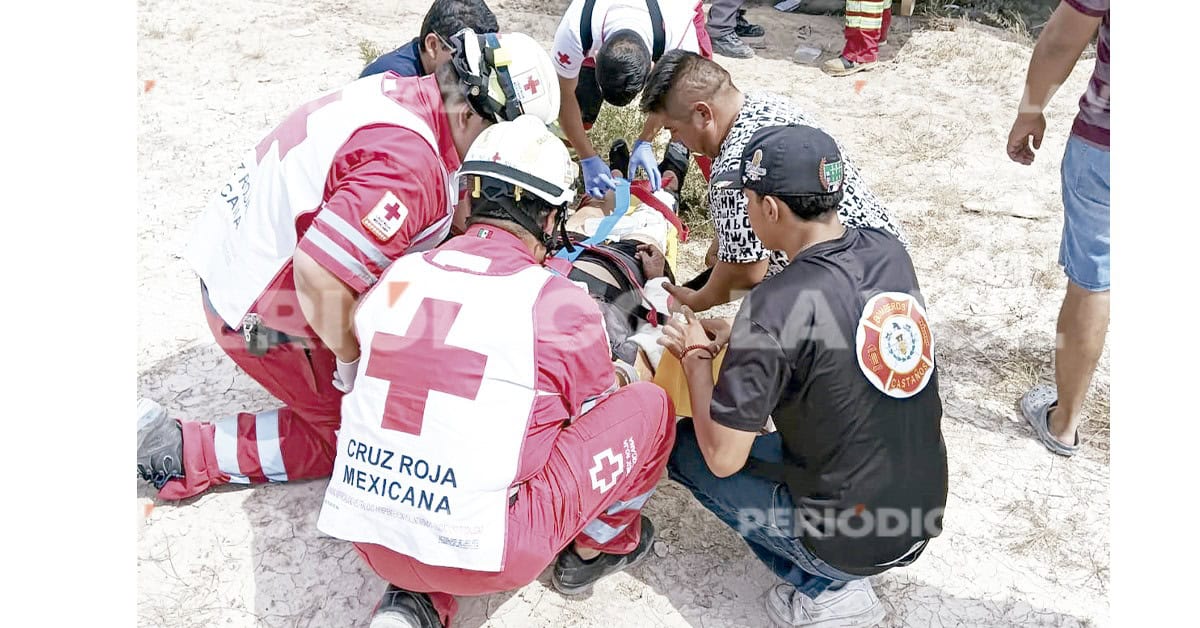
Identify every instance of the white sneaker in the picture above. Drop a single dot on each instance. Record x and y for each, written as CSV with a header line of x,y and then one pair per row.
x,y
855,604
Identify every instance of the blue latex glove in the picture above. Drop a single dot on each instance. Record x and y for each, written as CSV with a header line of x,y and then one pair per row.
x,y
597,177
643,155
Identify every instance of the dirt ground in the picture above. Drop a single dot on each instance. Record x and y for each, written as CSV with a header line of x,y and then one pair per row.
x,y
1026,539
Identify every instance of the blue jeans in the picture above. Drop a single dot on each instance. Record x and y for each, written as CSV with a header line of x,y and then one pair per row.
x,y
1083,253
758,509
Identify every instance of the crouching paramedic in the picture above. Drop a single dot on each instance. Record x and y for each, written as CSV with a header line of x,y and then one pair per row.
x,y
310,219
484,435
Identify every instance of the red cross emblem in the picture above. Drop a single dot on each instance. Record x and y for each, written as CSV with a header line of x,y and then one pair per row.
x,y
421,361
532,84
294,129
606,468
391,211
496,157
563,58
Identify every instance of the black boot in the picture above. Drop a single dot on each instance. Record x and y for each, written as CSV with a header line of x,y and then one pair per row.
x,y
160,444
574,575
618,156
745,29
405,609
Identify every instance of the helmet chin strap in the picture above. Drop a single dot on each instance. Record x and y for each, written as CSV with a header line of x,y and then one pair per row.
x,y
503,195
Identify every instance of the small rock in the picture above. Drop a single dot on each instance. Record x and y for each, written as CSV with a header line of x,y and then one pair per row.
x,y
806,54
660,549
300,32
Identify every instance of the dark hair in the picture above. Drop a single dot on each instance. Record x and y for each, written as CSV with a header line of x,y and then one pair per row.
x,y
686,71
621,67
450,85
447,17
812,206
496,210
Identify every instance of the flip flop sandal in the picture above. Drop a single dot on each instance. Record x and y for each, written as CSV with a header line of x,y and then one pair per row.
x,y
618,156
1036,406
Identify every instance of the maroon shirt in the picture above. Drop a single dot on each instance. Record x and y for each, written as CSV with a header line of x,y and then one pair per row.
x,y
1092,122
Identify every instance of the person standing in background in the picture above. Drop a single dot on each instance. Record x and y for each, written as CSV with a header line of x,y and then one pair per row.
x,y
1054,411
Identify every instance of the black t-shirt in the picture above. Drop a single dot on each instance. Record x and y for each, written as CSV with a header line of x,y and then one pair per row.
x,y
858,461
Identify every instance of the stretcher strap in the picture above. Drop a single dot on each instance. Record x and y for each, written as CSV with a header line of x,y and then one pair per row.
x,y
606,225
641,189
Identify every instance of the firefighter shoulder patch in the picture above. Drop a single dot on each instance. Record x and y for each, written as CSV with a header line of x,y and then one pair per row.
x,y
894,344
385,220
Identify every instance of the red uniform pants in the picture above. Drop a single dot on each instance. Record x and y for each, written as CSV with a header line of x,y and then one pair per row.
x,y
295,442
562,503
867,23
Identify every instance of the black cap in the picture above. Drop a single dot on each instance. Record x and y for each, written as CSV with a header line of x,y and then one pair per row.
x,y
793,160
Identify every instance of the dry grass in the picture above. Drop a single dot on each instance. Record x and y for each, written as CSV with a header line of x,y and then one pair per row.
x,y
1024,17
626,122
369,51
252,53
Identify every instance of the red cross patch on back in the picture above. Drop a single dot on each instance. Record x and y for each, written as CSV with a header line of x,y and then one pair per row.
x,y
385,220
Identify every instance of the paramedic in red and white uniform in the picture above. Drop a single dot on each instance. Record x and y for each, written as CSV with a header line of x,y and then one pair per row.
x,y
609,61
311,218
485,435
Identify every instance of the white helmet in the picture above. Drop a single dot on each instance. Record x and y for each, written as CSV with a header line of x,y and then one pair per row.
x,y
506,75
525,154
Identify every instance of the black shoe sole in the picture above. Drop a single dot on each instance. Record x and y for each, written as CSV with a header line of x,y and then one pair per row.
x,y
618,157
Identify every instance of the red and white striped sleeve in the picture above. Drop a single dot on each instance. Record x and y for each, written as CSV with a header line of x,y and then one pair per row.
x,y
385,194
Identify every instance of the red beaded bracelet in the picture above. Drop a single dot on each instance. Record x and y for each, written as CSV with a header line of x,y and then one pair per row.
x,y
690,348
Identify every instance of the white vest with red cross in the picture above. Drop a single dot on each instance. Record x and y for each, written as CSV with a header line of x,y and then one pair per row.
x,y
431,434
247,234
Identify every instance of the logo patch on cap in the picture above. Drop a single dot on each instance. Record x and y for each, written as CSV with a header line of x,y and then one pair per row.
x,y
831,174
754,171
894,345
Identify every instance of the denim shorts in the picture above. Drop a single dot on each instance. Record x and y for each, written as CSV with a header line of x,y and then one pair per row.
x,y
1083,253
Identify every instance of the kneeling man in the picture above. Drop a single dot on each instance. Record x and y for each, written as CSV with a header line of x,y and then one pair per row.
x,y
484,435
836,349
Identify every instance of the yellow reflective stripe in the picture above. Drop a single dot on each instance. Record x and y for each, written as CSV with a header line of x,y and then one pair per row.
x,y
887,4
864,23
867,6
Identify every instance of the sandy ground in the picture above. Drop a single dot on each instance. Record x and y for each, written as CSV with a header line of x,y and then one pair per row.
x,y
1026,540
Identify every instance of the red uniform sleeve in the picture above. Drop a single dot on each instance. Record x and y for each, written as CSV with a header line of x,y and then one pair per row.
x,y
573,356
385,193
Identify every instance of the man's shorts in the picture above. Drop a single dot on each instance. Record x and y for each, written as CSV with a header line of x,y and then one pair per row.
x,y
1083,253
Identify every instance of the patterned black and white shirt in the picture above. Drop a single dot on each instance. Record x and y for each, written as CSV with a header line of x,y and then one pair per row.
x,y
736,242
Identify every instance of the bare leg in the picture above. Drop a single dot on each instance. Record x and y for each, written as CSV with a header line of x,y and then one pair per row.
x,y
1082,327
586,553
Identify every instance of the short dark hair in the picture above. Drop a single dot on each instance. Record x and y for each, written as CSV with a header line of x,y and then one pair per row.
x,y
621,67
686,71
483,208
812,206
450,85
447,17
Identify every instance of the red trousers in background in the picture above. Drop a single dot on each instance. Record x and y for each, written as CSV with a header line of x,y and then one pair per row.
x,y
867,23
295,442
562,503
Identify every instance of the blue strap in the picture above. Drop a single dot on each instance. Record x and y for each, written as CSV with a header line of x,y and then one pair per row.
x,y
606,225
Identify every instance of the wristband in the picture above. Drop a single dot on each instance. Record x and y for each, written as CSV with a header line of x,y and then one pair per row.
x,y
690,348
